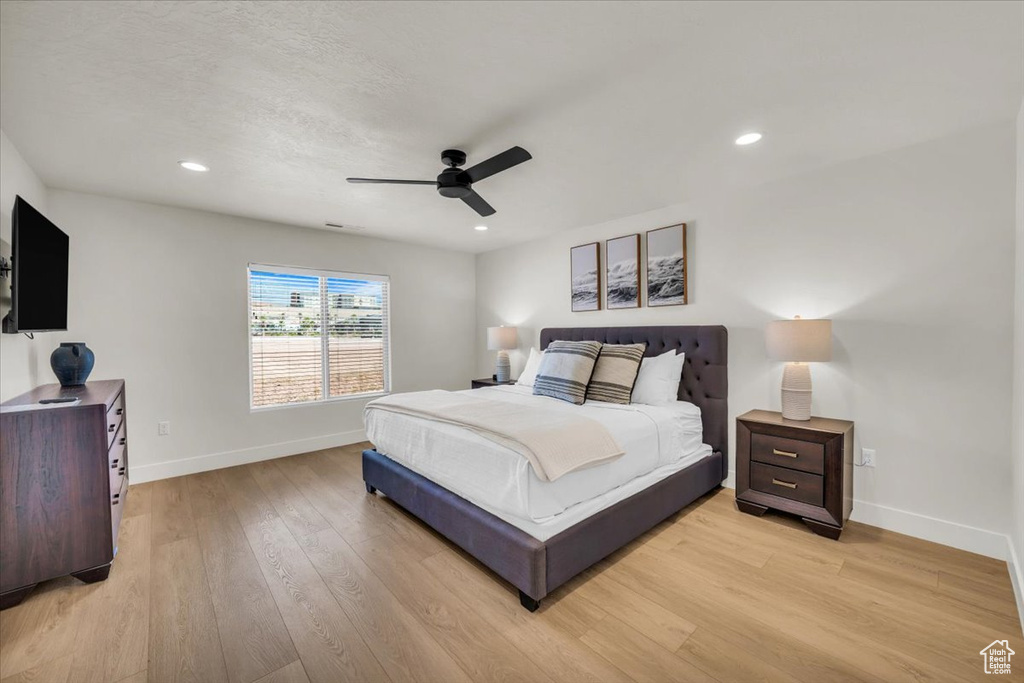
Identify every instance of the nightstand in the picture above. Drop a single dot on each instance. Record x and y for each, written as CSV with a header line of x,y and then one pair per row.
x,y
490,382
801,467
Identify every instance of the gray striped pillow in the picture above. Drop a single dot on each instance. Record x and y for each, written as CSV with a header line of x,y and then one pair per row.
x,y
615,372
565,370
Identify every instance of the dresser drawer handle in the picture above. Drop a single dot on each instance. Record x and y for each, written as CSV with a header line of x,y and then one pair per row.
x,y
111,428
121,471
122,441
119,411
113,463
114,500
785,454
787,484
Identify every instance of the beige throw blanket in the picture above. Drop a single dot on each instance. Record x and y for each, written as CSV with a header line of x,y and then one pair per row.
x,y
553,442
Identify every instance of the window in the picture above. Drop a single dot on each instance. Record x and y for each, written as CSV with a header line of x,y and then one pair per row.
x,y
316,335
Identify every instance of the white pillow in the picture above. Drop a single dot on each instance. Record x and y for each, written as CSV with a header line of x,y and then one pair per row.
x,y
529,373
658,380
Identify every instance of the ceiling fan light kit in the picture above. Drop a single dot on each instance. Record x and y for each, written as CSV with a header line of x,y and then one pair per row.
x,y
457,183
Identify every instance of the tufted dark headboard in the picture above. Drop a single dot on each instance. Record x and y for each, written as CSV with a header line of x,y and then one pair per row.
x,y
705,381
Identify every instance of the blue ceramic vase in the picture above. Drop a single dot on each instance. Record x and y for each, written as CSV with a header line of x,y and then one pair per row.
x,y
72,362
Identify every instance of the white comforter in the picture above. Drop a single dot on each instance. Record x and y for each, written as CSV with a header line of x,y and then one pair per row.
x,y
500,480
555,443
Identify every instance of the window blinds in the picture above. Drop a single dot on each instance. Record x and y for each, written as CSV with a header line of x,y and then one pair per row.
x,y
316,335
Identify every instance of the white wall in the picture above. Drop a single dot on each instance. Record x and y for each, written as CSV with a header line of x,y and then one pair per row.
x,y
20,358
159,294
910,254
1017,450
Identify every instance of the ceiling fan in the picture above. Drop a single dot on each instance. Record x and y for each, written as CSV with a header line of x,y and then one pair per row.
x,y
457,183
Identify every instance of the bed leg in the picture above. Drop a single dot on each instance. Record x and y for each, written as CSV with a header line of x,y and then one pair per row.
x,y
369,488
528,602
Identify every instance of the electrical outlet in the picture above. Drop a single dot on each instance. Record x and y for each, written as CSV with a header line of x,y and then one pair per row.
x,y
867,457
163,428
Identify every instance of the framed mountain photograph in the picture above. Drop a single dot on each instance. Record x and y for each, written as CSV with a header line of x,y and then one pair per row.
x,y
666,266
623,272
586,276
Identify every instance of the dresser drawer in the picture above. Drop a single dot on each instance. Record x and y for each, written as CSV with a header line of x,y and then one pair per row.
x,y
115,416
117,503
118,453
786,483
117,461
117,477
116,480
805,456
117,496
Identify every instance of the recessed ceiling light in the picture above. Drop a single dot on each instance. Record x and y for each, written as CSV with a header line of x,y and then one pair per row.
x,y
748,138
481,228
193,166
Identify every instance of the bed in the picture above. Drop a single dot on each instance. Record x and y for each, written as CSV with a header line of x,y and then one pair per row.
x,y
540,547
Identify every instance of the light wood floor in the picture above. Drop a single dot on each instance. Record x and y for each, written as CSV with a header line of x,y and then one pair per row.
x,y
287,571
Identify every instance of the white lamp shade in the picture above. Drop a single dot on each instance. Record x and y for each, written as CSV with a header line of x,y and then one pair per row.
x,y
799,340
501,338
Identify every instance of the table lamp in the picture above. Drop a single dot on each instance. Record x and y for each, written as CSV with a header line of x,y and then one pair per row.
x,y
799,342
501,339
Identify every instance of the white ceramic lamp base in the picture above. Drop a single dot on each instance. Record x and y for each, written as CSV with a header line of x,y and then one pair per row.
x,y
503,369
796,391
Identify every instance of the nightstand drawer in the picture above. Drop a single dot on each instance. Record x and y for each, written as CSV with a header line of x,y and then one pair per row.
x,y
779,481
806,456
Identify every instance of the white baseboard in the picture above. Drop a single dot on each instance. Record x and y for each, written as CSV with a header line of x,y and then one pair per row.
x,y
215,461
971,539
953,534
1013,560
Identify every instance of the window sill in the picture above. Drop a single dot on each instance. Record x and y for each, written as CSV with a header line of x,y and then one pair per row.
x,y
320,402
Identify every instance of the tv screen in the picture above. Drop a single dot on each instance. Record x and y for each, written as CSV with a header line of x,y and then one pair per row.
x,y
39,278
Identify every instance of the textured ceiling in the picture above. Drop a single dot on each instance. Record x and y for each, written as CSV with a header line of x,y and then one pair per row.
x,y
626,107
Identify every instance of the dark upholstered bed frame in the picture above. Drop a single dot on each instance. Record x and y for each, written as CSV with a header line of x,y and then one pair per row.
x,y
538,567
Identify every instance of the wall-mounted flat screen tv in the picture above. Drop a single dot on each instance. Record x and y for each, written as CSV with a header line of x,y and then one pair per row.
x,y
39,276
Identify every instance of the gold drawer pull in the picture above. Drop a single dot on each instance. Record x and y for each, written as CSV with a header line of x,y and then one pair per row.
x,y
785,454
787,484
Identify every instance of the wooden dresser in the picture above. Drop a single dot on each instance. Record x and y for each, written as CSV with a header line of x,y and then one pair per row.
x,y
801,467
63,485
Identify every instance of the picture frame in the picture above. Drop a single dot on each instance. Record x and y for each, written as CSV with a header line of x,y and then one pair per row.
x,y
667,266
622,272
585,277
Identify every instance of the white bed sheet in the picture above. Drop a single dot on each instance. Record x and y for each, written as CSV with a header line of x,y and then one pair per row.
x,y
658,440
542,531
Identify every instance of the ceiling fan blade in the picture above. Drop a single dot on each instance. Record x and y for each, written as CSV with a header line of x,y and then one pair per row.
x,y
477,203
392,182
497,164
